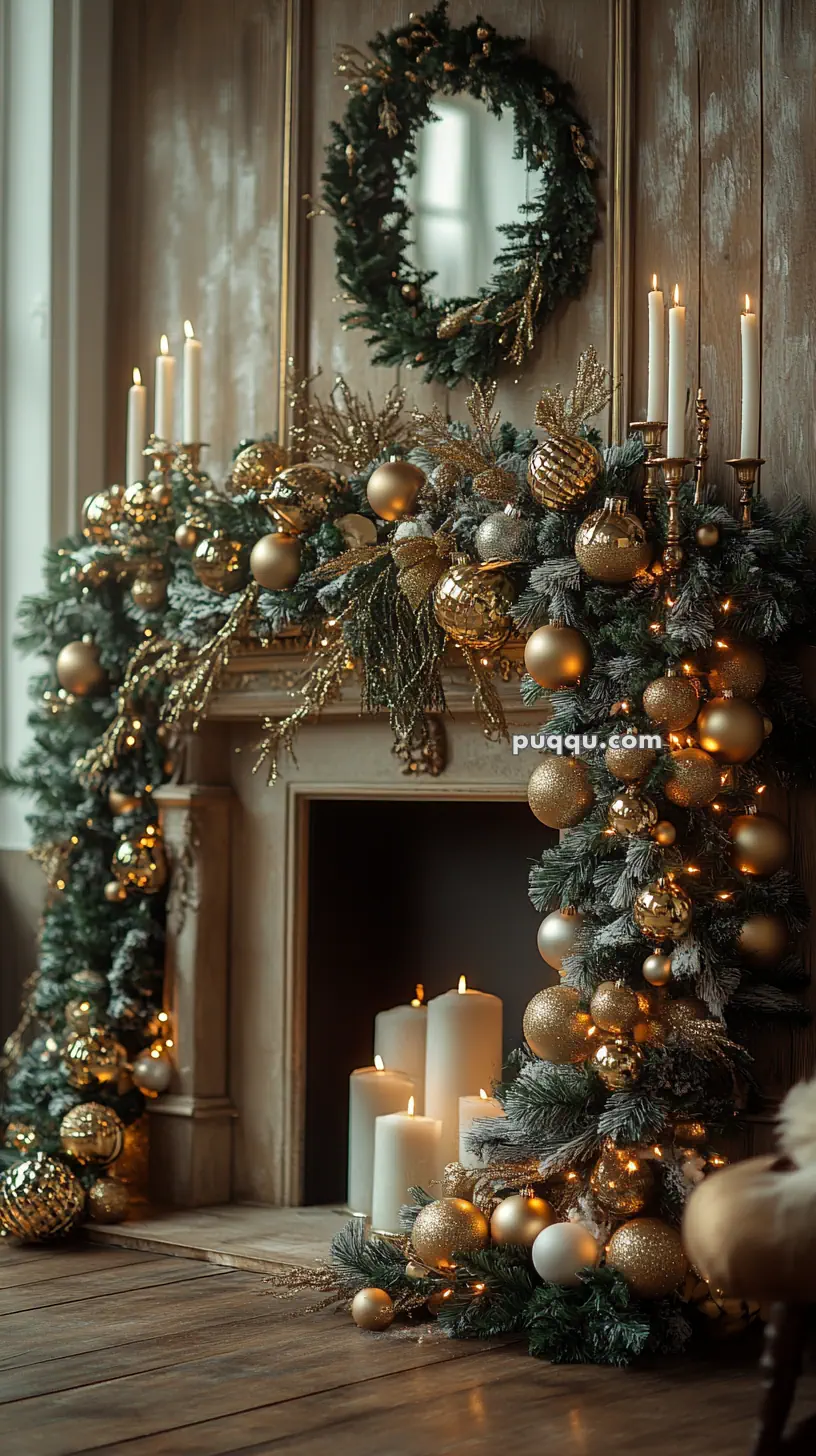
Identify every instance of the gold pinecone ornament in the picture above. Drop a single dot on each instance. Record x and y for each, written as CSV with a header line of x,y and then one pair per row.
x,y
472,605
40,1199
611,544
565,466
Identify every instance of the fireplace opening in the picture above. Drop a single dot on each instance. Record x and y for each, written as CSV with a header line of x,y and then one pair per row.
x,y
402,892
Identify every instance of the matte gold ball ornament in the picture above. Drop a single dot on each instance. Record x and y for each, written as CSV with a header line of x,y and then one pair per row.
x,y
447,1227
357,530
649,1254
92,1133
731,729
562,470
657,969
40,1198
736,667
671,701
560,791
558,936
393,488
275,561
220,563
79,670
555,1027
149,586
693,780
519,1219
139,862
631,813
611,545
472,605
629,764
762,844
372,1309
107,1201
664,833
622,1182
300,496
255,467
93,1056
707,535
615,1008
557,656
763,940
619,1063
663,910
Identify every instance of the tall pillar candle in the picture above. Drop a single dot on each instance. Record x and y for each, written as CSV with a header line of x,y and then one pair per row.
x,y
749,338
676,432
463,1052
164,402
191,423
656,395
406,1155
373,1091
136,430
471,1111
399,1038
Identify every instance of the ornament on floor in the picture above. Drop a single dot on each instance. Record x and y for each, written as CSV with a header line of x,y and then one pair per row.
x,y
275,561
40,1198
79,670
446,1227
93,1056
631,813
555,1027
519,1219
707,535
300,497
152,1070
149,588
565,466
556,656
611,544
662,910
92,1133
372,1309
649,1254
220,563
762,844
619,1063
622,1182
671,701
693,780
730,728
630,764
100,514
393,489
615,1007
255,467
357,530
562,1251
472,605
763,940
735,667
503,536
107,1201
657,969
664,833
560,791
139,861
558,936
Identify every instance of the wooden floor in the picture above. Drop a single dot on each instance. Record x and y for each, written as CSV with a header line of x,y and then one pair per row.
x,y
122,1351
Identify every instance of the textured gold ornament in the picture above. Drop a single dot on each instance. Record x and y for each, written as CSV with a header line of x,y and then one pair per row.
x,y
107,1201
672,702
393,489
662,910
149,588
558,936
255,467
79,670
707,535
93,1056
763,940
649,1254
762,844
139,863
275,561
630,764
21,1136
372,1309
556,656
472,605
92,1133
730,728
220,563
631,813
657,969
694,778
555,1027
40,1198
736,667
622,1182
664,833
503,536
357,530
562,470
300,496
100,514
446,1227
611,544
139,510
519,1219
445,476
690,1132
614,1007
560,791
619,1063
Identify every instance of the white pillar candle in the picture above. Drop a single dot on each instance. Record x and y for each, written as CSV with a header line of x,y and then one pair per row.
x,y
399,1038
165,392
406,1155
191,427
136,430
373,1091
471,1109
464,1050
676,432
749,333
656,394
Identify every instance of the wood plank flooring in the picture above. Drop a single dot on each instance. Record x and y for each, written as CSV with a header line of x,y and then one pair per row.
x,y
126,1352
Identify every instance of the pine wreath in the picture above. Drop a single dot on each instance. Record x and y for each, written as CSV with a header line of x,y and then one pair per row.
x,y
545,255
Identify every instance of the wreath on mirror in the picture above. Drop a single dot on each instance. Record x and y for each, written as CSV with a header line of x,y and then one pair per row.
x,y
545,254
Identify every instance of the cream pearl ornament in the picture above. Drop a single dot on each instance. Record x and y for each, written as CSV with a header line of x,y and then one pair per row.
x,y
152,1075
558,936
562,1250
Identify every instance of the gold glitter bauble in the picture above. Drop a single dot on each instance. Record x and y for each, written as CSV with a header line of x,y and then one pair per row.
x,y
393,488
649,1254
618,1063
662,910
79,1014
629,764
763,940
614,1008
694,778
149,588
735,667
357,530
21,1136
40,1198
560,791
762,844
100,513
672,702
503,536
631,813
92,1133
275,561
114,892
446,476
664,833
458,1181
472,605
107,1201
220,563
372,1309
300,495
611,545
557,656
562,470
519,1220
683,1010
446,1227
707,535
622,1182
558,936
94,1056
730,728
79,670
555,1027
120,803
255,467
139,863
657,969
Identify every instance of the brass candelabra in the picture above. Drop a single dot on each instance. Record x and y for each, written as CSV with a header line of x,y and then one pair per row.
x,y
746,471
652,432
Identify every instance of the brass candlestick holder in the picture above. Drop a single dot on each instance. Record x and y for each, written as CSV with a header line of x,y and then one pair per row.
x,y
674,470
746,472
652,432
162,453
703,414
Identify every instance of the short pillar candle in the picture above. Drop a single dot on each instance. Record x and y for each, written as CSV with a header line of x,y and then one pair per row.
x,y
373,1091
406,1155
471,1111
399,1038
463,1051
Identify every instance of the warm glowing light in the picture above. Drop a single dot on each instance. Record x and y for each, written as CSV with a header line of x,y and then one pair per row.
x,y
571,1176
162,1016
761,789
137,376
625,707
483,1094
155,1053
75,839
379,1063
446,1293
724,895
747,304
189,331
462,985
485,661
658,1152
676,294
151,829
692,869
60,884
717,807
654,626
632,1166
169,1042
480,1288
164,347
654,282
670,601
720,643
130,741
726,605
410,1106
137,723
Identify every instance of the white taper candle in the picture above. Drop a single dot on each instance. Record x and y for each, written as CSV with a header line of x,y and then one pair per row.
x,y
749,335
656,393
191,425
163,405
676,432
136,430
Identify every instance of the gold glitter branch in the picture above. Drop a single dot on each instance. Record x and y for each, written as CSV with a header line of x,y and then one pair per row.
x,y
149,661
322,684
592,390
478,455
520,340
345,428
189,694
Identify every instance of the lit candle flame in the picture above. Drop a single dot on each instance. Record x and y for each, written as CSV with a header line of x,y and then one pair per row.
x,y
164,347
420,995
462,985
379,1063
747,304
137,375
189,331
654,283
676,294
410,1106
483,1094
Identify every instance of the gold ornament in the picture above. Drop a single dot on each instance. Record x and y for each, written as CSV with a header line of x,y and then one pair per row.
x,y
664,833
731,728
707,535
107,1201
762,844
139,862
735,667
560,791
149,589
558,936
611,544
152,1071
629,764
357,530
446,1227
763,940
255,467
79,670
519,1219
562,470
100,514
114,892
458,1181
649,1254
300,496
691,1132
555,1027
445,476
618,1063
472,605
372,1309
21,1136
79,1014
557,656
275,561
220,563
94,1056
40,1198
614,1007
662,910
657,969
92,1133
631,813
186,536
672,702
121,803
393,488
694,778
139,510
622,1182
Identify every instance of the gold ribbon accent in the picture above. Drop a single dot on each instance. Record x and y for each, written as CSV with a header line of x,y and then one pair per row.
x,y
421,561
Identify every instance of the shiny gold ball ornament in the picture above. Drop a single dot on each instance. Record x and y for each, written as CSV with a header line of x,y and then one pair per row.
x,y
555,1027
611,545
447,1227
300,496
22,1136
762,844
693,779
186,536
662,910
556,656
357,530
114,892
631,813
149,587
393,489
730,728
562,1251
139,510
275,561
107,1201
614,1007
619,1063
255,467
79,670
671,701
503,536
558,936
657,969
93,1056
736,667
139,862
220,563
707,535
622,1182
100,513
649,1254
664,833
519,1219
372,1309
763,940
92,1133
562,470
40,1198
472,605
629,764
560,791
152,1072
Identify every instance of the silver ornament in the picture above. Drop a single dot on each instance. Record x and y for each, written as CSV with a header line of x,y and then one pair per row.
x,y
503,536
